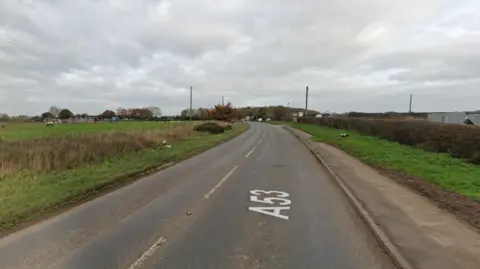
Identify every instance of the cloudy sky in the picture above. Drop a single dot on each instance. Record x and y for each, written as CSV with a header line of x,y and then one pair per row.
x,y
355,55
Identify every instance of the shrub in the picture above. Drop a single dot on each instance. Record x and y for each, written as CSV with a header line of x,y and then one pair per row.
x,y
459,141
209,127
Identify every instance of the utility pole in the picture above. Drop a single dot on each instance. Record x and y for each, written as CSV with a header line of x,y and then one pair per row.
x,y
223,100
410,106
190,111
306,101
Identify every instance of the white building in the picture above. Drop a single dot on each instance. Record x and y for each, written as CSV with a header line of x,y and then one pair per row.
x,y
453,117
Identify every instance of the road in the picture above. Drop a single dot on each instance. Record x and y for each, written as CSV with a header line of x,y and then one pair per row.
x,y
260,200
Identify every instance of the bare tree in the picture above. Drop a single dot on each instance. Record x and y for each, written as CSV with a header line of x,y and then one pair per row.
x,y
156,111
54,110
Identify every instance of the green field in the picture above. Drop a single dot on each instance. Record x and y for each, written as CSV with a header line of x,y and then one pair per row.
x,y
15,131
449,173
28,194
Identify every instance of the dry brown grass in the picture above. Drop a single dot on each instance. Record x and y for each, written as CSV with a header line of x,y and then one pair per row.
x,y
54,153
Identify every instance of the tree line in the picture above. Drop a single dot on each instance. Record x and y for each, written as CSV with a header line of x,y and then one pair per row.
x,y
273,112
218,111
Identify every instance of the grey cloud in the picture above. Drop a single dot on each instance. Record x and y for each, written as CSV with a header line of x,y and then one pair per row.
x,y
93,54
445,63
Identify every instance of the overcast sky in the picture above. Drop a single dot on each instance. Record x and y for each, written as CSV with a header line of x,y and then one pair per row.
x,y
355,55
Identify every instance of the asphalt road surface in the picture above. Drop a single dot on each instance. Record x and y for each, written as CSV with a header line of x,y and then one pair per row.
x,y
258,201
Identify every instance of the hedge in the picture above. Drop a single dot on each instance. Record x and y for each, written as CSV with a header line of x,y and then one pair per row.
x,y
460,141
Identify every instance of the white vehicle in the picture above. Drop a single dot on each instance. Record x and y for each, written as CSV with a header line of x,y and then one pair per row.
x,y
259,119
268,119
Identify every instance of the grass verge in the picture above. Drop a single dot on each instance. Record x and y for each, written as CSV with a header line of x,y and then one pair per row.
x,y
27,197
440,169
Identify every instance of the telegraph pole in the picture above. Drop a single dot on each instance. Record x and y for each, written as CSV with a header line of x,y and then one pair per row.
x,y
306,101
190,111
223,100
410,106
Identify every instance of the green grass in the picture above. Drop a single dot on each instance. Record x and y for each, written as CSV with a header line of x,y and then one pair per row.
x,y
449,173
27,196
14,131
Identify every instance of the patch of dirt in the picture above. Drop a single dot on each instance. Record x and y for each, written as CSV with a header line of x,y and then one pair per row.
x,y
463,207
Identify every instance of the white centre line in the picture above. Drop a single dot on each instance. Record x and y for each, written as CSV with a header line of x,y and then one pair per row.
x,y
139,262
263,135
250,152
259,141
221,182
254,148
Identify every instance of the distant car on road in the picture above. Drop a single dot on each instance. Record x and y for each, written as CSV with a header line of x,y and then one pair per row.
x,y
259,119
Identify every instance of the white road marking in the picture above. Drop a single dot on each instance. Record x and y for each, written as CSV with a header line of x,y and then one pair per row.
x,y
254,148
259,141
220,182
275,211
250,152
139,262
271,211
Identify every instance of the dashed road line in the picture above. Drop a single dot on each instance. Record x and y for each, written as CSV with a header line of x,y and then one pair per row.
x,y
254,148
250,152
220,182
140,261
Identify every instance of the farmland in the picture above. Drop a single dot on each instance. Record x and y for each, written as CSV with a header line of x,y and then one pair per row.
x,y
16,131
46,167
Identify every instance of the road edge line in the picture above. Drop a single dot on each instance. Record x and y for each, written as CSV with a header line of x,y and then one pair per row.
x,y
382,238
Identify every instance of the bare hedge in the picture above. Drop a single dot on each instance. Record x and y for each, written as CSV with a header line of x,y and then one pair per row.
x,y
460,141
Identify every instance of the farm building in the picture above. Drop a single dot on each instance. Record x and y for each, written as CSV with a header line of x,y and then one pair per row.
x,y
454,117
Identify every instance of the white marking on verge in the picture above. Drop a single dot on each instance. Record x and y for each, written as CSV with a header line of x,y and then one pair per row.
x,y
220,182
139,262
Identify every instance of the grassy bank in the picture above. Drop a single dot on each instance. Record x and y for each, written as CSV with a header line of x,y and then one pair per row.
x,y
27,195
440,169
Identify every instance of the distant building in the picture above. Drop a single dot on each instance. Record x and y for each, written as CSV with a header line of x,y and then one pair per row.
x,y
194,112
475,117
454,117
